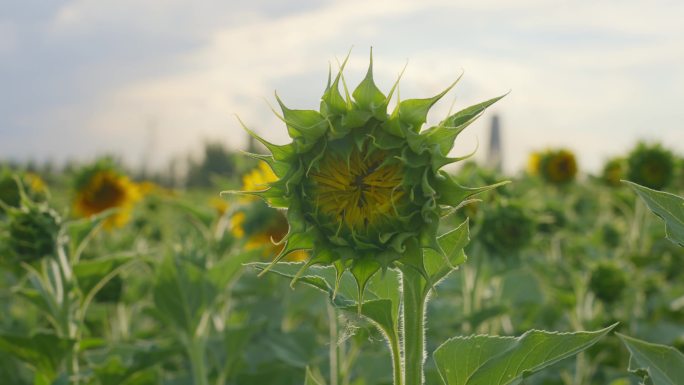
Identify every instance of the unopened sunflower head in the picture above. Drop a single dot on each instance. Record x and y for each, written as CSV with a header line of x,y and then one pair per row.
x,y
364,189
613,171
651,165
33,185
29,231
101,187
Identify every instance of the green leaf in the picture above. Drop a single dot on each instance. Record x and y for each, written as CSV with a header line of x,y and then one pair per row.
x,y
492,360
182,293
45,352
91,273
667,206
381,298
82,231
662,365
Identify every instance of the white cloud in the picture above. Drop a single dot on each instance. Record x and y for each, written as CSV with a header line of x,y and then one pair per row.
x,y
586,75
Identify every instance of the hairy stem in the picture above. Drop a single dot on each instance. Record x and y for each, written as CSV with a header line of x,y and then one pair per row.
x,y
413,293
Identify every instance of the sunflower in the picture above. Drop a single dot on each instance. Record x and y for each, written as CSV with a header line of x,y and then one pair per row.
x,y
608,281
613,171
260,226
101,187
363,188
554,166
650,165
507,229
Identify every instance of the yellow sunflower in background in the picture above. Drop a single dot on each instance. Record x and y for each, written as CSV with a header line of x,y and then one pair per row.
x,y
256,223
100,187
554,166
533,163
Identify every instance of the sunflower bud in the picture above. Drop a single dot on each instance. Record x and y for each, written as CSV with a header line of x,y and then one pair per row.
x,y
608,281
613,171
506,229
363,188
651,166
30,231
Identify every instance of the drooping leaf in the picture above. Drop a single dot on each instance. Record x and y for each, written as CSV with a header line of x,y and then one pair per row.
x,y
659,364
667,206
492,360
380,301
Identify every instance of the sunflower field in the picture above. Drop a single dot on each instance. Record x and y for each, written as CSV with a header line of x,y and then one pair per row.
x,y
361,253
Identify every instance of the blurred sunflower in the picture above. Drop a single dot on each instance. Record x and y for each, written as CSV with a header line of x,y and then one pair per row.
x,y
534,163
608,281
101,187
507,229
613,171
651,165
554,166
256,223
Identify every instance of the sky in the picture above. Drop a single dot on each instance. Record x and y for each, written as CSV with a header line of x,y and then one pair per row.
x,y
153,80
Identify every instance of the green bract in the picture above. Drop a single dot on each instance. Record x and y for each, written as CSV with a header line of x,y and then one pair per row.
x,y
363,188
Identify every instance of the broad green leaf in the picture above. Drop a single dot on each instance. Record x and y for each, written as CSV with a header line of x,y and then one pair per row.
x,y
132,365
492,360
667,206
656,364
380,302
91,273
182,292
45,352
311,379
81,231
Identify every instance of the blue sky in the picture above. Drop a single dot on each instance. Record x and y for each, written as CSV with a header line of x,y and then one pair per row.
x,y
151,80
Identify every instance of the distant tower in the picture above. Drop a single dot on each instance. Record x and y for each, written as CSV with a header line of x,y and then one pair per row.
x,y
494,154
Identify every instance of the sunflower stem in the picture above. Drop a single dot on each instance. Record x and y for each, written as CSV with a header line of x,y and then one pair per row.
x,y
413,293
195,350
